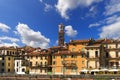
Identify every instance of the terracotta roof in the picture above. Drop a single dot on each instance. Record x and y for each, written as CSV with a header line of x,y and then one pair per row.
x,y
65,52
108,41
99,41
80,41
9,48
37,53
55,47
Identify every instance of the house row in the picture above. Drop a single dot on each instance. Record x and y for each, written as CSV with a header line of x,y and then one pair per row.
x,y
68,59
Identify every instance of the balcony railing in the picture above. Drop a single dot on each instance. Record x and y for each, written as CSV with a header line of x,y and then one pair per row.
x,y
39,66
70,65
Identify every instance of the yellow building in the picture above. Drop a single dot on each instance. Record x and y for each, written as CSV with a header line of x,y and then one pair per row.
x,y
69,59
38,61
7,59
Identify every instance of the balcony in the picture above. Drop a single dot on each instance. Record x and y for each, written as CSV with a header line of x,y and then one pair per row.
x,y
70,64
39,66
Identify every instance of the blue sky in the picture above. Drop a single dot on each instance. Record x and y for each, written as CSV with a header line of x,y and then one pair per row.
x,y
35,22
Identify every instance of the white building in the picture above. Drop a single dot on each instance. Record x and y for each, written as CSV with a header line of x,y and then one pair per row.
x,y
19,68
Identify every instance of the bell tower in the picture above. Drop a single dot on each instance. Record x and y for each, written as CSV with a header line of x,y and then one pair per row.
x,y
61,35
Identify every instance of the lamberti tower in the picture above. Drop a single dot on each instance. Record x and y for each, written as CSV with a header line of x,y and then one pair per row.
x,y
61,35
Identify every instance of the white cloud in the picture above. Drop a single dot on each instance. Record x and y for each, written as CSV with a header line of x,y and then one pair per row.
x,y
92,9
94,25
92,12
111,31
106,21
112,19
4,27
112,7
63,6
47,7
41,0
8,44
31,37
9,38
70,31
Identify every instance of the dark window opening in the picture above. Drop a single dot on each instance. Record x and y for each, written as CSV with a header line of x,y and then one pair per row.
x,y
96,53
8,58
2,64
87,54
8,70
107,55
23,70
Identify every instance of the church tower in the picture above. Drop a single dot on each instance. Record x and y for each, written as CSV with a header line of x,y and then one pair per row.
x,y
61,35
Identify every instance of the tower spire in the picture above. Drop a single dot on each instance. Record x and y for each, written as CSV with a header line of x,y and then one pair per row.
x,y
61,35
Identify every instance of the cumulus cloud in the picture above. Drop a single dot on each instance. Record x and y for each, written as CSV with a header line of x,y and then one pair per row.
x,y
9,39
4,27
8,44
70,31
63,6
106,21
111,31
112,7
111,27
31,37
47,7
112,19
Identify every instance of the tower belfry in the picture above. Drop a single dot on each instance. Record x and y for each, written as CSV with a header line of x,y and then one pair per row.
x,y
61,35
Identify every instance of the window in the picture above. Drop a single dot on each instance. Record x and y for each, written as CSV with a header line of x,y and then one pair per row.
x,y
41,63
8,70
116,53
17,64
30,63
2,58
23,70
10,52
8,58
17,69
54,62
65,56
45,57
45,63
61,56
40,70
2,64
72,56
54,57
107,55
36,63
7,52
73,70
82,62
96,53
82,55
41,57
73,49
36,57
8,64
45,70
2,70
87,54
13,53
